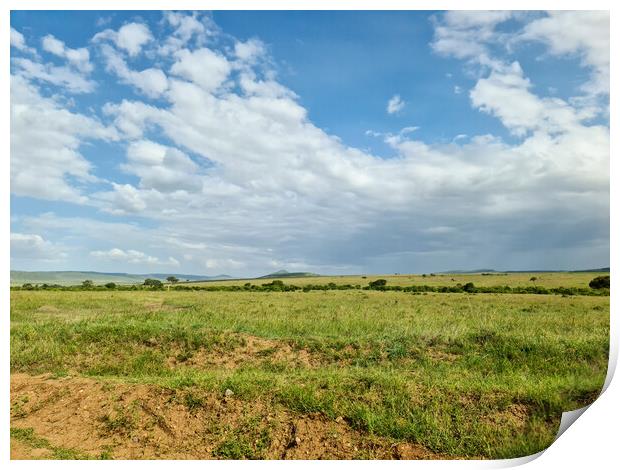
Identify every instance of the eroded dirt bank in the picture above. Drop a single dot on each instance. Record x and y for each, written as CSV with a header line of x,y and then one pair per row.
x,y
85,418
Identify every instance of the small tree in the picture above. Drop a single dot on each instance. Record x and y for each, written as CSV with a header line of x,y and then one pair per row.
x,y
600,282
377,283
110,285
28,286
88,284
469,287
172,279
153,283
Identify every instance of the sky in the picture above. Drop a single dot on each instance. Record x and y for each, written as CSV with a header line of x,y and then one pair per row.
x,y
243,143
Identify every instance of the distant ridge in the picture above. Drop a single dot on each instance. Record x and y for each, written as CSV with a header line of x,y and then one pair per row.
x,y
285,273
76,277
477,271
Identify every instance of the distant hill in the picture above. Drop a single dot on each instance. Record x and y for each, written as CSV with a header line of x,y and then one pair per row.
x,y
285,273
76,277
472,271
477,271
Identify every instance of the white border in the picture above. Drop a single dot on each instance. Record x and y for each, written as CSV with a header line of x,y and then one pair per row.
x,y
591,442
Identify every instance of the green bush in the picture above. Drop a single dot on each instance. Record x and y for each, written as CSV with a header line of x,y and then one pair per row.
x,y
600,282
377,284
154,283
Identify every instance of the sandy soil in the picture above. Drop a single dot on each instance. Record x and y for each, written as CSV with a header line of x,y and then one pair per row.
x,y
100,419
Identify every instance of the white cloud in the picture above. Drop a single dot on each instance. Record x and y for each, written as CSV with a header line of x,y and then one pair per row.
x,y
395,104
45,143
279,189
203,67
250,51
133,257
19,42
152,81
187,27
162,168
506,95
64,77
467,34
130,37
124,199
582,33
225,264
79,58
33,247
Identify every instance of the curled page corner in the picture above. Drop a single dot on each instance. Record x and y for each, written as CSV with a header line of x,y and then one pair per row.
x,y
568,418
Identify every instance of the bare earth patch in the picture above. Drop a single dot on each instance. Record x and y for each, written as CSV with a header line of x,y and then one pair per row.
x,y
252,349
99,419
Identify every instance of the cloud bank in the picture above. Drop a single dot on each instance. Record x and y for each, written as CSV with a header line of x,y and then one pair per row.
x,y
223,169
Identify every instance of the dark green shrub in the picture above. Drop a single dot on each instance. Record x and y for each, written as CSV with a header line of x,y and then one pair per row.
x,y
154,283
469,287
378,283
600,282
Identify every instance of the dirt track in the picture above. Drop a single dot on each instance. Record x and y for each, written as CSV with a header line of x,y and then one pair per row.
x,y
96,419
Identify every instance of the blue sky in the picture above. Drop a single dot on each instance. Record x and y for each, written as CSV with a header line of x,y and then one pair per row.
x,y
336,142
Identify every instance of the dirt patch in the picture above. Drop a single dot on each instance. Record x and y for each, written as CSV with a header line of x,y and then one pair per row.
x,y
153,305
48,309
248,350
441,356
21,451
100,419
514,416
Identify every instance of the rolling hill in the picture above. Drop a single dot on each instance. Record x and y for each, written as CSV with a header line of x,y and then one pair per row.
x,y
76,277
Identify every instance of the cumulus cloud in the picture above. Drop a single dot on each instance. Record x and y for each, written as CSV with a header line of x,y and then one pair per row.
x,y
64,77
152,81
395,104
131,37
133,257
19,42
187,27
250,51
506,95
162,168
581,33
203,67
79,58
265,185
31,246
468,34
45,145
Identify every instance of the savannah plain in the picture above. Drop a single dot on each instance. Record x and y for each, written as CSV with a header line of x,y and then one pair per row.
x,y
351,373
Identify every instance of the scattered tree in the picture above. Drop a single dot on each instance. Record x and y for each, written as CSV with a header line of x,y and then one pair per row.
x,y
110,285
600,282
469,287
172,279
377,283
154,283
87,283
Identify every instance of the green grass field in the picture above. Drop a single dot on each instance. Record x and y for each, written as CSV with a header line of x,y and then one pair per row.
x,y
549,280
459,375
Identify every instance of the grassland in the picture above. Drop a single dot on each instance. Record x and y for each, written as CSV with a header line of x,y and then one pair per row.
x,y
340,374
548,280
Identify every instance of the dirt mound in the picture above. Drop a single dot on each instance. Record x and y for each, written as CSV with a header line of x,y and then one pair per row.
x,y
85,418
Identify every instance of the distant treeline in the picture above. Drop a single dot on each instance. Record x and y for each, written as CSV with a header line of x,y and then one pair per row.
x,y
280,286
